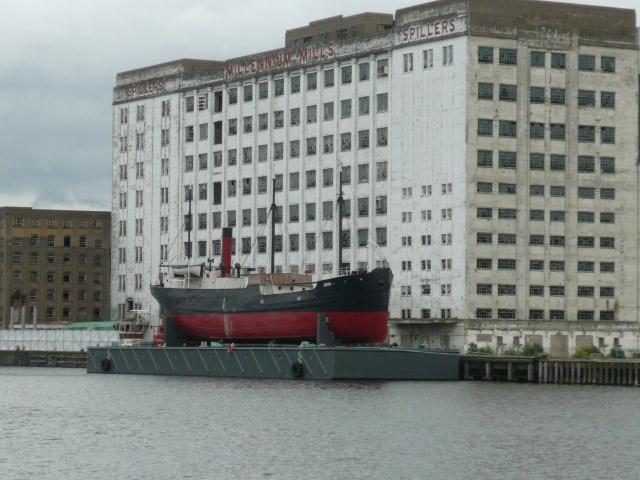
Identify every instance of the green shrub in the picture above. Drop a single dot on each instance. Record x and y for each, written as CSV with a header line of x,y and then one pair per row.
x,y
617,352
511,352
636,355
486,350
532,350
472,348
586,352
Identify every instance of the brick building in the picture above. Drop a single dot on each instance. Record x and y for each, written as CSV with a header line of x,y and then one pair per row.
x,y
56,263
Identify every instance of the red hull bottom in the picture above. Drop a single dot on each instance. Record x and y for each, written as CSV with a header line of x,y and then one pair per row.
x,y
366,327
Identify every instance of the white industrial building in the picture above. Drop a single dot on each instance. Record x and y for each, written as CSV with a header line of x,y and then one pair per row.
x,y
488,152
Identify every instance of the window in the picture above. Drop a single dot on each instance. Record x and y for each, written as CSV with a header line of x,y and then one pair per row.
x,y
607,217
508,92
363,173
327,111
407,62
263,90
294,117
608,99
484,187
278,118
508,56
536,290
506,264
585,267
586,98
294,84
506,289
382,67
536,264
586,217
586,242
507,128
587,63
607,267
312,81
536,161
608,64
363,139
278,87
447,55
585,291
382,102
507,213
232,127
345,109
485,91
536,130
506,239
586,133
557,96
557,162
381,171
585,315
278,151
484,313
485,54
537,58
607,135
485,127
345,74
311,145
483,288
586,164
382,137
507,160
586,192
484,212
536,94
558,60
363,71
484,263
485,158
507,188
557,131
607,242
363,106
536,215
555,241
427,58
484,238
312,114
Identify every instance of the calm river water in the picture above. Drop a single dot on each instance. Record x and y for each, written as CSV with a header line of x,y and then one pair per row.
x,y
66,424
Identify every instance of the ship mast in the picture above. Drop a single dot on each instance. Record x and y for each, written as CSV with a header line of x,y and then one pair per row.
x,y
340,205
189,225
273,226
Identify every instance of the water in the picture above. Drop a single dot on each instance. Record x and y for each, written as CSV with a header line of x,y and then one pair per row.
x,y
66,424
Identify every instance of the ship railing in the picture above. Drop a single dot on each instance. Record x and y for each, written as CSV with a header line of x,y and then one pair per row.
x,y
268,285
344,271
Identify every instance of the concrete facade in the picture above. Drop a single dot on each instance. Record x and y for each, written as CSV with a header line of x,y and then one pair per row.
x,y
55,263
474,174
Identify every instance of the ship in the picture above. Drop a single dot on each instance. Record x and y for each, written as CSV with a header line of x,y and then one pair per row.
x,y
230,303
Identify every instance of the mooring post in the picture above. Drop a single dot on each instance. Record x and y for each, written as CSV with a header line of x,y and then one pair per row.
x,y
487,370
510,371
467,370
530,372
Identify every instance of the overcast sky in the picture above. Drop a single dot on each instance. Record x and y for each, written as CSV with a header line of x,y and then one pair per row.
x,y
59,58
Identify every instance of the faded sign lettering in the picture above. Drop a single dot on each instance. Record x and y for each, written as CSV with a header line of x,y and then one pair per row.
x,y
280,59
146,88
435,29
